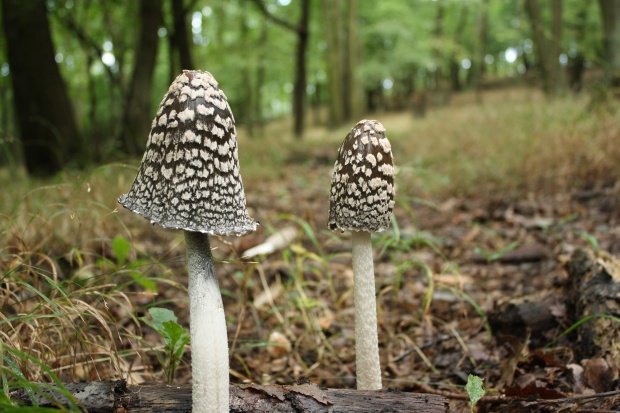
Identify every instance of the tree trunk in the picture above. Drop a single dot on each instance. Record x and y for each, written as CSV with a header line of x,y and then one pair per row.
x,y
353,104
245,115
556,46
333,24
610,10
477,71
115,396
437,35
576,64
257,108
137,113
48,131
547,50
179,40
299,85
299,88
455,64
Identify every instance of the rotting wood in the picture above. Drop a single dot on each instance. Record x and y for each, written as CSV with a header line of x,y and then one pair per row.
x,y
117,397
595,292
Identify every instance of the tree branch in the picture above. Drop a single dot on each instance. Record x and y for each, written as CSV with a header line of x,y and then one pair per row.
x,y
270,16
93,48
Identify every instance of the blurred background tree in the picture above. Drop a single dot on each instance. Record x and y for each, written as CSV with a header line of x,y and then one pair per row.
x,y
80,80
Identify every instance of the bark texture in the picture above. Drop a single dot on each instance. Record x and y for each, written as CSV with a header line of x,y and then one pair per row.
x,y
595,294
116,396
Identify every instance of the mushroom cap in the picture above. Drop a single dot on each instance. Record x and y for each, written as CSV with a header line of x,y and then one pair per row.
x,y
189,176
362,192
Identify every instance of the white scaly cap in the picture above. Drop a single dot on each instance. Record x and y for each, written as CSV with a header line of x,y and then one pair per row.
x,y
189,176
362,192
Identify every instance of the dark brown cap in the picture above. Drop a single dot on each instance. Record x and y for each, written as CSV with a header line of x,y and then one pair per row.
x,y
189,177
362,192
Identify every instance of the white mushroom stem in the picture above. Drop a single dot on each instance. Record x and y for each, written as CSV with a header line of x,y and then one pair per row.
x,y
366,339
209,339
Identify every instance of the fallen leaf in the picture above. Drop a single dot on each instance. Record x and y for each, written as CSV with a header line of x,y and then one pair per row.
x,y
279,345
597,374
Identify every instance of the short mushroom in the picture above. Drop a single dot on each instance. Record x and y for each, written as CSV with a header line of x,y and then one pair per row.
x,y
362,201
189,179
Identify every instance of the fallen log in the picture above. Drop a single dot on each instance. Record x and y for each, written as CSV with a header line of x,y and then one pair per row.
x,y
117,397
595,300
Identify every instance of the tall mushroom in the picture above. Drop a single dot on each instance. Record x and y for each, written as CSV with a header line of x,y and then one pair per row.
x,y
362,201
189,179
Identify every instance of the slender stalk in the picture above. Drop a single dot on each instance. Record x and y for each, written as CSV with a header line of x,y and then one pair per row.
x,y
209,338
366,338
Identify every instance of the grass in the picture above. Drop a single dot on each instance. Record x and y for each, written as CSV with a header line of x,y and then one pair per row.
x,y
77,273
517,140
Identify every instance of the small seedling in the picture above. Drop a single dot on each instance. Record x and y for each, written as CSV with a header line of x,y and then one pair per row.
x,y
591,239
175,336
579,323
491,256
474,390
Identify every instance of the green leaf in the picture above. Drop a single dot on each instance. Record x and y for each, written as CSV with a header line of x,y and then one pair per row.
x,y
120,247
474,390
165,323
144,281
177,337
160,316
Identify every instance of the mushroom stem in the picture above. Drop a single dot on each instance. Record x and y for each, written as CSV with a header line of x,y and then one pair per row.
x,y
366,338
209,339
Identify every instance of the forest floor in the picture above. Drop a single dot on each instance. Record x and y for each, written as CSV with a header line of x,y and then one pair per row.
x,y
493,202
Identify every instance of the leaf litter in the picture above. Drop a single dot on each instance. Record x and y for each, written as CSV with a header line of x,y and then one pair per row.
x,y
466,285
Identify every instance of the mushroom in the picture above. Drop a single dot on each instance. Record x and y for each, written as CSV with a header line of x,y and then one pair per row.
x,y
189,179
362,200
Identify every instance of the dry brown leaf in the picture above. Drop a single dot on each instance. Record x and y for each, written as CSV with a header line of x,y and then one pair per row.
x,y
279,345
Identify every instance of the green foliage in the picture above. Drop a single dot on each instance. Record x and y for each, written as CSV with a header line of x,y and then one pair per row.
x,y
579,323
175,337
475,391
591,239
491,256
121,248
253,58
13,378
